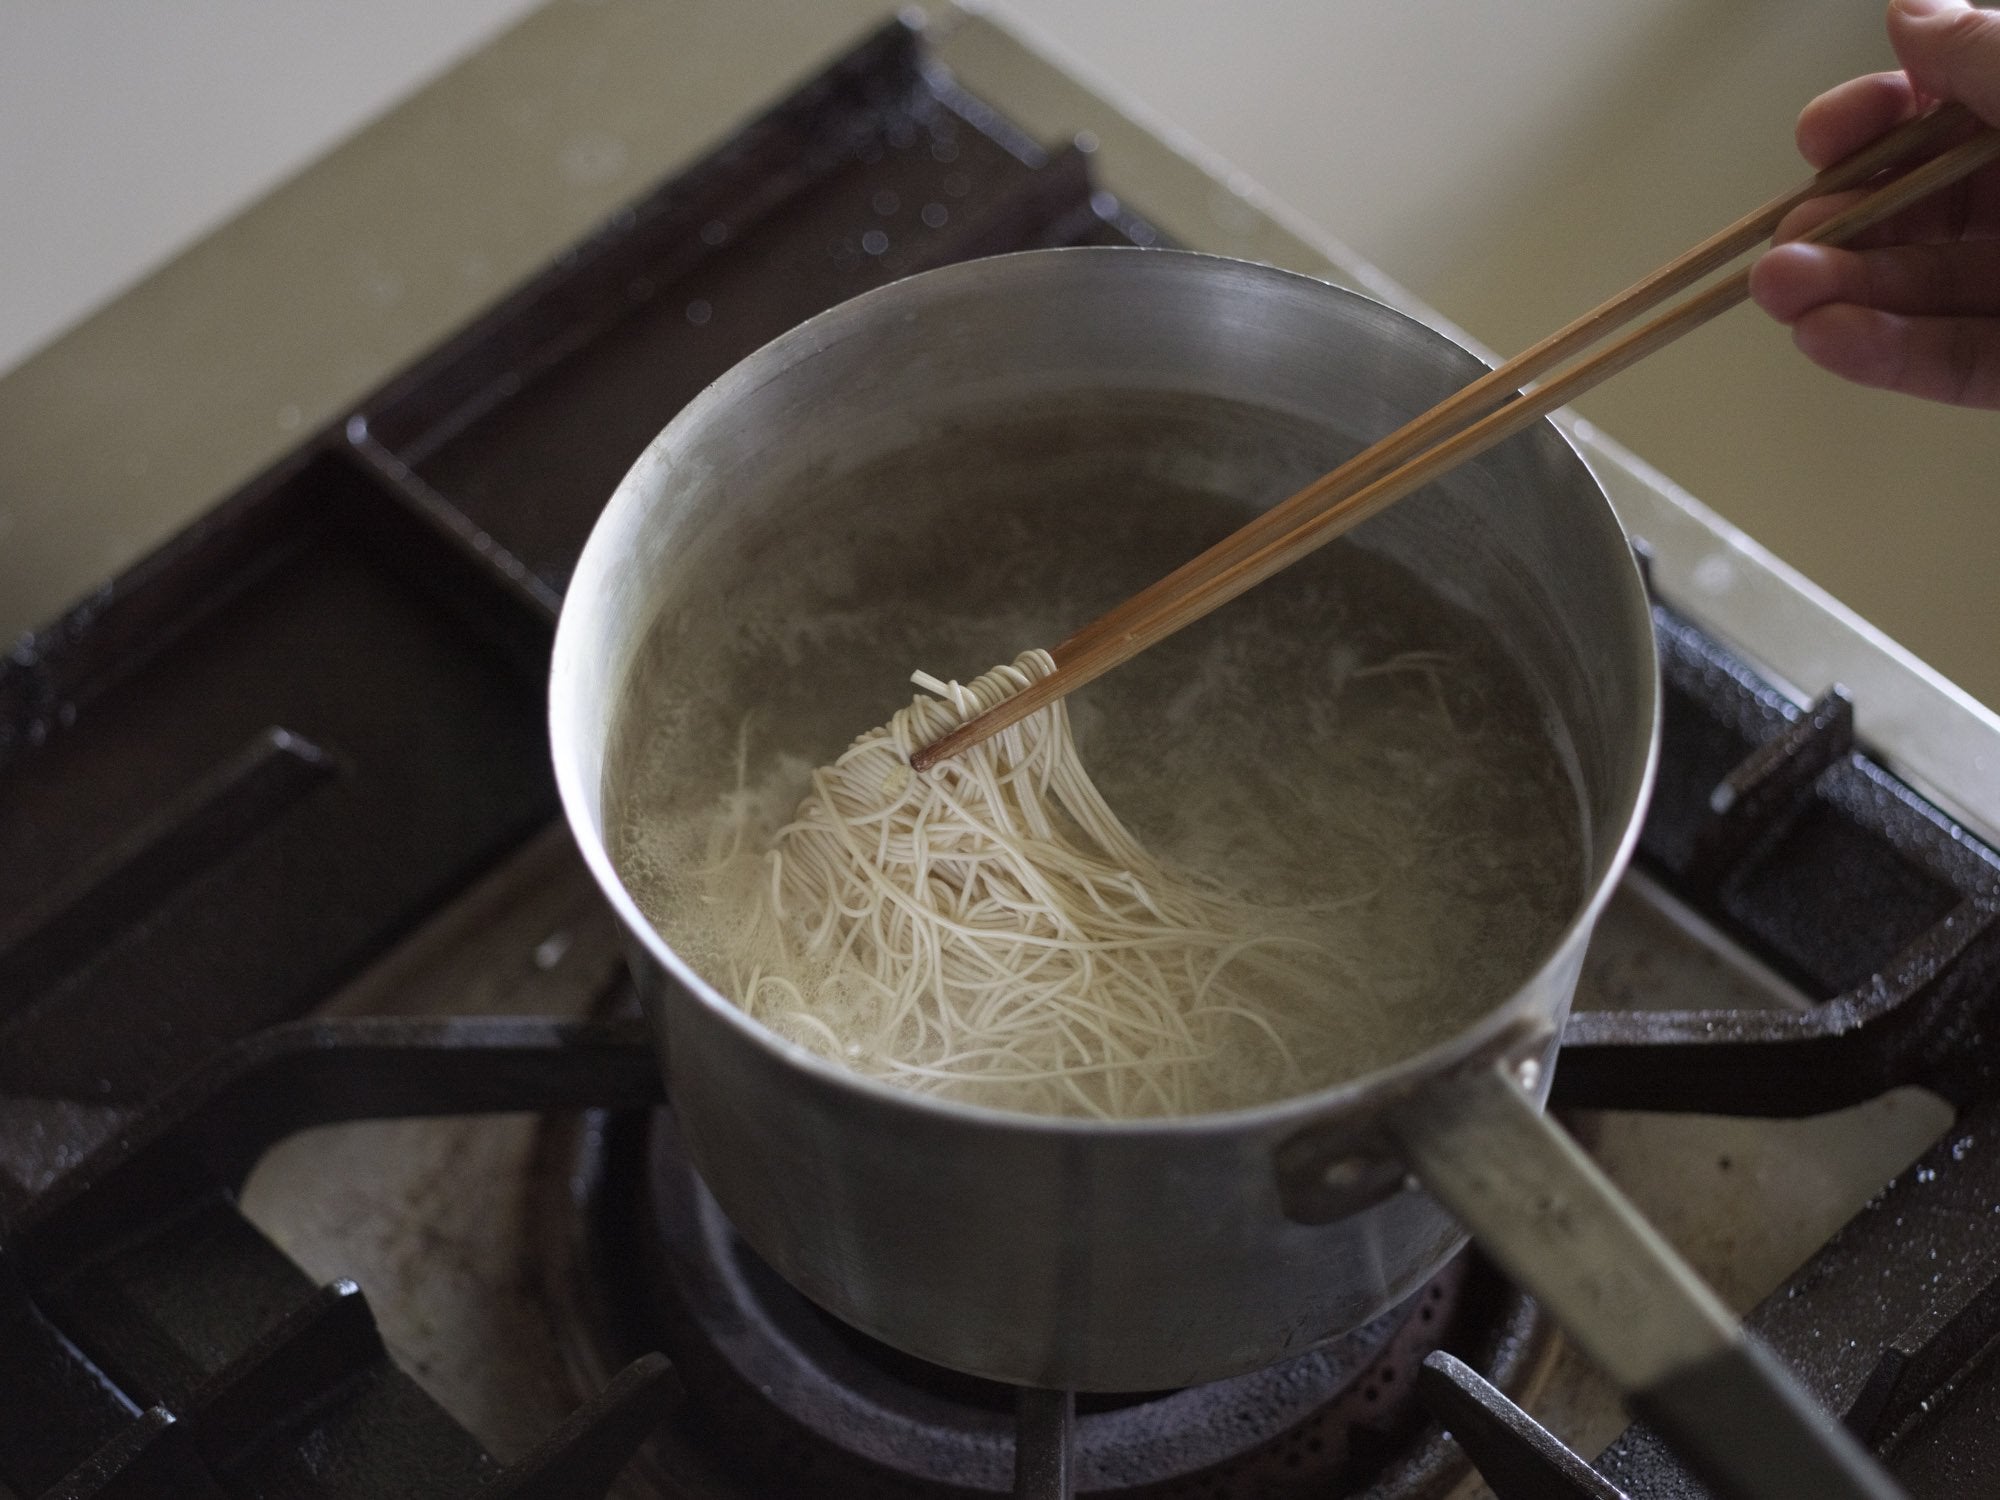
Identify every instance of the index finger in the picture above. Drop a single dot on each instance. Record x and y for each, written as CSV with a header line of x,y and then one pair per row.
x,y
1850,115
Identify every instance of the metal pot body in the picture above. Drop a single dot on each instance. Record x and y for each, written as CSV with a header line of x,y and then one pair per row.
x,y
1064,1253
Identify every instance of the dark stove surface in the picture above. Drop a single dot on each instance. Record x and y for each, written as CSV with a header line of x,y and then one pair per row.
x,y
234,780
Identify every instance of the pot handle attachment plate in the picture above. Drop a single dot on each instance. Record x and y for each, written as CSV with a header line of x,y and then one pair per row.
x,y
1556,1224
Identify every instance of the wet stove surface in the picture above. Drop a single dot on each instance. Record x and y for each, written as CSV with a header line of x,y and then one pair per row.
x,y
233,793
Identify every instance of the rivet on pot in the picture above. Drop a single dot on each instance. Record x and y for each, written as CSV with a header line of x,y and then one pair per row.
x,y
1317,1188
1345,1175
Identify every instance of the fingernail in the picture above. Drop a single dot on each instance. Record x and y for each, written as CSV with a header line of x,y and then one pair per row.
x,y
1919,10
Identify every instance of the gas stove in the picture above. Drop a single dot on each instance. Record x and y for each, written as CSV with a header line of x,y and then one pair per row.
x,y
333,1159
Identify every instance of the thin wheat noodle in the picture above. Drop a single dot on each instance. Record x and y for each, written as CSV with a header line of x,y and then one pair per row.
x,y
991,931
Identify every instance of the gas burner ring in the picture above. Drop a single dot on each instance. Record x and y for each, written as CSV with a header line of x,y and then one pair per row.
x,y
636,1255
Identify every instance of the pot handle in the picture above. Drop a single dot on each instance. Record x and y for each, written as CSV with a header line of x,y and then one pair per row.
x,y
1557,1225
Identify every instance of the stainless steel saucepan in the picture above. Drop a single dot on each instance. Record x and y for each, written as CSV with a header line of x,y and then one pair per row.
x,y
1153,1254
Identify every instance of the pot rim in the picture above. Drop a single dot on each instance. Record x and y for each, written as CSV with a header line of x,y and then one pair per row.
x,y
1491,1032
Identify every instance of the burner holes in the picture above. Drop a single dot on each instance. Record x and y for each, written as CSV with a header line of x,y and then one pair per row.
x,y
1371,1393
1315,1444
1426,1315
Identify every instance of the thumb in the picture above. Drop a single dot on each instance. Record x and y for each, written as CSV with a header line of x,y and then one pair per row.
x,y
1951,51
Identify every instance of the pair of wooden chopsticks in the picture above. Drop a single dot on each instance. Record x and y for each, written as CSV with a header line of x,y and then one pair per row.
x,y
1492,408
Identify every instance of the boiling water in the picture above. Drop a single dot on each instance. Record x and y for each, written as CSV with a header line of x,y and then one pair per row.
x,y
1340,739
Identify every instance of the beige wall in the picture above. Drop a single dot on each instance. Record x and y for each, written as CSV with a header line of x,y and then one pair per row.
x,y
1510,160
1513,162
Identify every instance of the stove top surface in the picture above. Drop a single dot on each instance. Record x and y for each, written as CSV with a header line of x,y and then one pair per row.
x,y
1786,1005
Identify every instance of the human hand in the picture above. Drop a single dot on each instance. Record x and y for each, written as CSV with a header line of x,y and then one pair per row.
x,y
1913,305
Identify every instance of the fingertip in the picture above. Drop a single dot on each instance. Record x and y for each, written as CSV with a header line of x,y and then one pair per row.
x,y
1849,115
1801,220
1814,212
1785,281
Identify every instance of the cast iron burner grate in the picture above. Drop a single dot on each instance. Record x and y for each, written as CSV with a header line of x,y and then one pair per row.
x,y
637,1257
211,817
